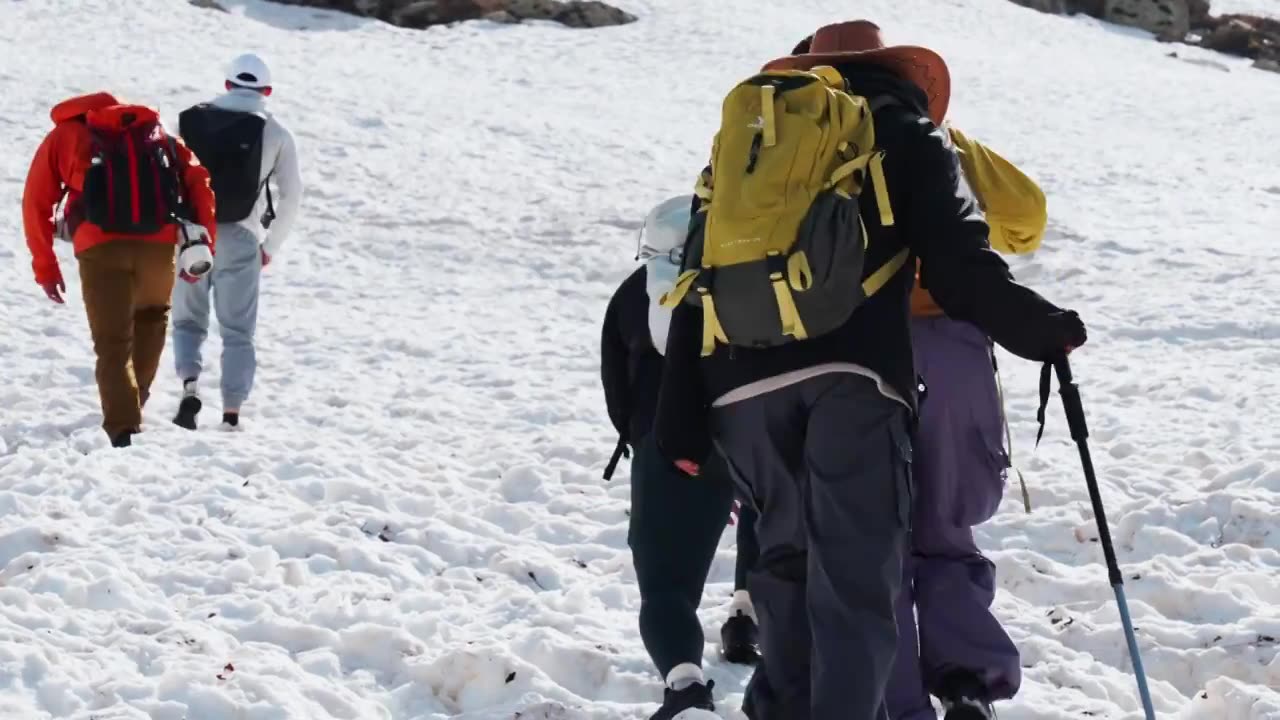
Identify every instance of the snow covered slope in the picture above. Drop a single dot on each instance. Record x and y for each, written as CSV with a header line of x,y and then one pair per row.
x,y
413,525
1266,8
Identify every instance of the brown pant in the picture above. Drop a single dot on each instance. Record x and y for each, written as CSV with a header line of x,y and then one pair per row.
x,y
127,290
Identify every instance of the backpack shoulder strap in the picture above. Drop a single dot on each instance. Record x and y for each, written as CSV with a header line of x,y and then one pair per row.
x,y
271,207
880,102
173,182
883,101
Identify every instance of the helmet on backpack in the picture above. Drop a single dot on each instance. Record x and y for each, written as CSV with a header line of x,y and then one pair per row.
x,y
665,229
662,241
195,258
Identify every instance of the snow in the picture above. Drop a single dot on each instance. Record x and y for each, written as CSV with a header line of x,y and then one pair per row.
x,y
412,525
1265,8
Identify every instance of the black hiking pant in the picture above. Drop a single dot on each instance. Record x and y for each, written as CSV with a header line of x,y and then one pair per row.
x,y
827,464
676,524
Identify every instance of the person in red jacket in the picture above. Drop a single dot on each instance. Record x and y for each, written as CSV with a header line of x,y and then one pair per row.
x,y
133,195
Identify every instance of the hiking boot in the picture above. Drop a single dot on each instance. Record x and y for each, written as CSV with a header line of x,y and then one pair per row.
x,y
740,640
123,440
968,709
964,698
230,422
189,407
695,696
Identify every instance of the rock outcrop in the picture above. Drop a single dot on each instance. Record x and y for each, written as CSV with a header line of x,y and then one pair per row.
x,y
1188,21
1167,19
425,13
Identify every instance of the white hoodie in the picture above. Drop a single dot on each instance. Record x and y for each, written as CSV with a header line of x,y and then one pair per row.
x,y
279,162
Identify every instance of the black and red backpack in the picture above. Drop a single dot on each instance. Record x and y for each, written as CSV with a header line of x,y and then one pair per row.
x,y
133,185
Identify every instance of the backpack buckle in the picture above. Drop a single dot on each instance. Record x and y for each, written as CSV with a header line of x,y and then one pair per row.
x,y
776,264
705,280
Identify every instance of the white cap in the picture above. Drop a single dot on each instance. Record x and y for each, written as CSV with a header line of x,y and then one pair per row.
x,y
249,71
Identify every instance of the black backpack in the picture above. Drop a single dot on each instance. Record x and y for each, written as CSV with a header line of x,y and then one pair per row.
x,y
229,145
132,186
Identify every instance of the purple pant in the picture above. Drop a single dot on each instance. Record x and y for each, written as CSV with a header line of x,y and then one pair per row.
x,y
960,467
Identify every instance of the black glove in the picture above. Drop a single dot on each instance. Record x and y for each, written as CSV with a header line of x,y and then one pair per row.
x,y
1044,339
1064,332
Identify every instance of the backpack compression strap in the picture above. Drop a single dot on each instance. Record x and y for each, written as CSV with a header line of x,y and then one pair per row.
x,y
874,163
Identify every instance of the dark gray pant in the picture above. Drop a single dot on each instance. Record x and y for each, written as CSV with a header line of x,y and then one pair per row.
x,y
676,524
827,464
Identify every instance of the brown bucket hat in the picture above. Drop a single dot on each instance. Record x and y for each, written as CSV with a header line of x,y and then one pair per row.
x,y
860,41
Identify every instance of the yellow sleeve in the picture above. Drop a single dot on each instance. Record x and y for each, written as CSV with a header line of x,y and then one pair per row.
x,y
1014,205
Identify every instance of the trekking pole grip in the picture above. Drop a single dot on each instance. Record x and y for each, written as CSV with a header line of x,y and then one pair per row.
x,y
1072,405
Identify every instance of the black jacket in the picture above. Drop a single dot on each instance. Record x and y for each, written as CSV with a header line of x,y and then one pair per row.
x,y
938,219
629,365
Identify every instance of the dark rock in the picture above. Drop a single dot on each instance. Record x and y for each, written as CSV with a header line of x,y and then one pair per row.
x,y
1093,8
425,13
1272,65
1232,37
592,14
208,5
1056,7
1244,35
1198,10
1169,19
532,9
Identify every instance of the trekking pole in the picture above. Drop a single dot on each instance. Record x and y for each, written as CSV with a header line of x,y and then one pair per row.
x,y
1074,408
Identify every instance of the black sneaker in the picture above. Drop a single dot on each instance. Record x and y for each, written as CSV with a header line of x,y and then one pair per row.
x,y
189,407
740,640
696,696
963,698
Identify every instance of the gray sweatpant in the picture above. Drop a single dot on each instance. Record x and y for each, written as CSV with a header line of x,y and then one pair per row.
x,y
827,464
234,284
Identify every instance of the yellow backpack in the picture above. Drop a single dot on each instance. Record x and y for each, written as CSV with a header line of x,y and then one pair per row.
x,y
777,250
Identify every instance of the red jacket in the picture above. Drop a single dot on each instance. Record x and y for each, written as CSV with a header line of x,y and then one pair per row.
x,y
59,167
